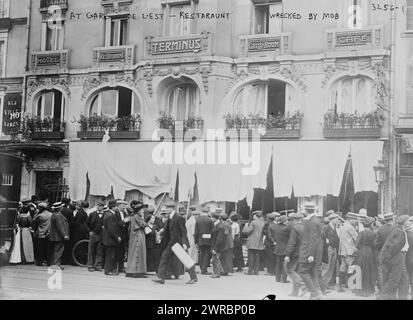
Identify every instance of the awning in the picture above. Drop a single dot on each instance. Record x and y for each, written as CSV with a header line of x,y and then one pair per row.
x,y
311,167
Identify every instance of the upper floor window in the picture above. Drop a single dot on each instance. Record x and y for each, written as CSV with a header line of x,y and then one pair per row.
x,y
51,104
4,8
177,25
356,14
2,58
265,19
53,35
116,102
409,15
353,95
183,100
118,31
264,98
7,179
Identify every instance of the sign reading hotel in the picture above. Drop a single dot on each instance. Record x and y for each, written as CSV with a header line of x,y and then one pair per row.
x,y
264,44
176,46
11,112
48,60
353,39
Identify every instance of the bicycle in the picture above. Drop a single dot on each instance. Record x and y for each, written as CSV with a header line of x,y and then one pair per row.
x,y
80,252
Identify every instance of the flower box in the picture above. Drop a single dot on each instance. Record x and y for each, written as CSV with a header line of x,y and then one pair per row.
x,y
57,135
124,134
90,135
352,133
282,134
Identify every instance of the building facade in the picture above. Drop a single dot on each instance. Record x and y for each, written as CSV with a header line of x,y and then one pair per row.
x,y
314,76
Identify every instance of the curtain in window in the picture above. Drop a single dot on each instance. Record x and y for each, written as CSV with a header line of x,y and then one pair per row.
x,y
109,100
252,99
179,26
183,102
362,96
346,96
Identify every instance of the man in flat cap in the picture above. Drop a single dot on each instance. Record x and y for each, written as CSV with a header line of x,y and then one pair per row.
x,y
269,243
202,236
41,227
59,233
174,232
292,252
381,236
218,242
393,258
347,249
332,243
255,242
111,239
282,234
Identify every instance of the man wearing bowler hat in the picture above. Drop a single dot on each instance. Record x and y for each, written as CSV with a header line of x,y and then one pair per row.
x,y
217,244
281,234
203,232
174,232
59,233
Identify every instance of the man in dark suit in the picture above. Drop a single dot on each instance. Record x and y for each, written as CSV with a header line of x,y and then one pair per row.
x,y
174,232
393,258
380,239
68,214
281,234
203,231
218,242
227,252
333,242
111,239
95,250
59,233
123,223
269,243
310,252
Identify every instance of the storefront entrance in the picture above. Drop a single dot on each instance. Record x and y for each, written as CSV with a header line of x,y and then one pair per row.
x,y
10,178
50,185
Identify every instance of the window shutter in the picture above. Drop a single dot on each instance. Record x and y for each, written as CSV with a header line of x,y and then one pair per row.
x,y
409,15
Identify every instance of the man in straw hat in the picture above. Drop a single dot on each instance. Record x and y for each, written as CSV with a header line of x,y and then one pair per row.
x,y
59,233
381,236
174,232
203,231
393,258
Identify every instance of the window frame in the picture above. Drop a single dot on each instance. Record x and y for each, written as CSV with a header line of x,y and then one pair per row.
x,y
9,177
58,42
172,90
269,25
4,39
365,7
166,23
118,21
5,4
43,102
408,7
98,96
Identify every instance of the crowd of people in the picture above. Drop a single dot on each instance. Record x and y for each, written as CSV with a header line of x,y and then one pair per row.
x,y
317,252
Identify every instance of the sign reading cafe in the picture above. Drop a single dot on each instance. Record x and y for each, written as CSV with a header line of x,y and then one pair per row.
x,y
176,46
353,39
11,112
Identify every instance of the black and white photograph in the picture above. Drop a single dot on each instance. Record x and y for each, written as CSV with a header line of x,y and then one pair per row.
x,y
206,150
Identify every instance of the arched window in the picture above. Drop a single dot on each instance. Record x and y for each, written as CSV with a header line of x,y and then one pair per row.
x,y
353,95
115,102
51,104
183,100
265,98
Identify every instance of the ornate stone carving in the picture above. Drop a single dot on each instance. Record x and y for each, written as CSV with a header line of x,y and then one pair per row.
x,y
294,73
47,83
205,72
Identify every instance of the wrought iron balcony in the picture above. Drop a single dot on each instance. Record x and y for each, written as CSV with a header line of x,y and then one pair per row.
x,y
44,129
344,126
45,4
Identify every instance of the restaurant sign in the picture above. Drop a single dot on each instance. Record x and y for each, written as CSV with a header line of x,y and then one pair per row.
x,y
264,44
176,46
115,55
353,39
12,112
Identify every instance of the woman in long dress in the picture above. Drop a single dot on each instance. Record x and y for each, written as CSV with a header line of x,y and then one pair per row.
x,y
136,265
365,258
153,250
236,232
22,251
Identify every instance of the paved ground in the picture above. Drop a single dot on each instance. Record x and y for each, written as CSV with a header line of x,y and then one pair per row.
x,y
31,282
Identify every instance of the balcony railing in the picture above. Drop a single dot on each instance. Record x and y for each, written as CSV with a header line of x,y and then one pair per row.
x,y
367,126
119,55
178,128
177,46
49,60
259,44
94,127
353,39
45,4
44,129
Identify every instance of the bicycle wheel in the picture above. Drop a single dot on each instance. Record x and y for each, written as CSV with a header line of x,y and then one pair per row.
x,y
79,252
